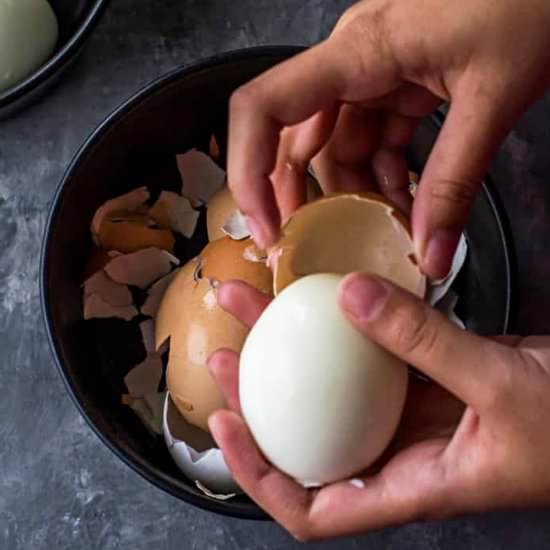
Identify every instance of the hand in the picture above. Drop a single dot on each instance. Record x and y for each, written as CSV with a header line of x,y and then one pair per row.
x,y
353,102
447,459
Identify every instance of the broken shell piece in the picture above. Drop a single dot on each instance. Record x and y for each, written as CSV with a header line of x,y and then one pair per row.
x,y
219,209
343,233
147,329
133,201
213,147
110,292
141,268
149,408
176,213
210,494
195,453
439,288
155,294
95,307
131,232
201,176
447,306
145,378
236,227
359,483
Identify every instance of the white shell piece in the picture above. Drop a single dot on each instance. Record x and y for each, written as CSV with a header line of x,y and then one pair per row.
x,y
235,227
439,288
201,176
144,378
147,329
447,306
109,291
181,216
210,494
149,409
141,268
95,307
155,294
195,453
131,202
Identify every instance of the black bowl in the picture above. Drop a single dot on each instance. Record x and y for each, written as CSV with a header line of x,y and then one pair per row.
x,y
76,19
136,145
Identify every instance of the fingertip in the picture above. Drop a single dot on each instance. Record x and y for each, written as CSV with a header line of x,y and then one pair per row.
x,y
361,295
222,424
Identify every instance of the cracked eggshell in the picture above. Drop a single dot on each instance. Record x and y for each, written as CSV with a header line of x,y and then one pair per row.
x,y
200,175
155,293
172,211
141,268
343,233
129,232
190,317
196,454
321,400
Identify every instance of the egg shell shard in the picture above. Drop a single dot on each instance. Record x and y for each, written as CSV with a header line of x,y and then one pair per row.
x,y
133,233
149,408
147,329
214,148
219,209
447,306
236,227
196,454
28,34
95,307
145,378
113,293
439,288
141,268
172,211
201,176
134,201
343,233
155,293
320,399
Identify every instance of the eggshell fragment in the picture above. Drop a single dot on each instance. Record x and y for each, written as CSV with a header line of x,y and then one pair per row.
x,y
155,293
219,209
149,409
134,201
131,232
95,307
145,378
113,293
236,227
176,213
141,268
147,329
195,453
344,233
321,400
201,176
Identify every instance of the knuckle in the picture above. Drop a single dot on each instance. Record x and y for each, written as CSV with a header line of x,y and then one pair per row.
x,y
245,96
413,331
461,192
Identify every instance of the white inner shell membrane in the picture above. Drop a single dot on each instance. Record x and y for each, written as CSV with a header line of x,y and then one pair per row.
x,y
28,34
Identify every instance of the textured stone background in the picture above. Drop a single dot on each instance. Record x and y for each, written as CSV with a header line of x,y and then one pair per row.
x,y
59,486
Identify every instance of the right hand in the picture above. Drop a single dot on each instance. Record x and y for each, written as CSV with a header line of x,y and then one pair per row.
x,y
353,102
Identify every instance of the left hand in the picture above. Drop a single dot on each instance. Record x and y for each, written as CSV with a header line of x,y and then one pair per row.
x,y
447,459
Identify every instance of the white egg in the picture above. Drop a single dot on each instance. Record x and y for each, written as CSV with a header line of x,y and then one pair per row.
x,y
321,400
28,34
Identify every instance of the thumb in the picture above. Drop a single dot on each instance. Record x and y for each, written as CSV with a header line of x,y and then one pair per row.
x,y
464,363
452,177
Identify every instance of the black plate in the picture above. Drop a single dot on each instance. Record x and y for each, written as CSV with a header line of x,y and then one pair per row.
x,y
136,146
76,19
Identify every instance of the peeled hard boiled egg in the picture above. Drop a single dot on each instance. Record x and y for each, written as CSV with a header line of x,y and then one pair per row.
x,y
28,34
321,400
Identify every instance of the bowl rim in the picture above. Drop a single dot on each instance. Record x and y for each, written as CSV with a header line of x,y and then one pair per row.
x,y
62,56
129,457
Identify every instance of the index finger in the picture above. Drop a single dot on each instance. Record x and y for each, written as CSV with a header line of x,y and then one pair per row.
x,y
286,95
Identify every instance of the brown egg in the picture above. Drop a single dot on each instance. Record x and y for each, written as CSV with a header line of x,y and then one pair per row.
x,y
190,317
130,231
343,233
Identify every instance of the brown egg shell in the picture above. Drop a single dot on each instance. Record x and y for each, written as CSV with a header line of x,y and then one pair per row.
x,y
343,233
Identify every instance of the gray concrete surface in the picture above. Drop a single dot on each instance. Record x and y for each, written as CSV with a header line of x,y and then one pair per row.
x,y
59,486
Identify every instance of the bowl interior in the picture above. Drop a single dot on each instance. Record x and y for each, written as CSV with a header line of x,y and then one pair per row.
x,y
70,15
135,147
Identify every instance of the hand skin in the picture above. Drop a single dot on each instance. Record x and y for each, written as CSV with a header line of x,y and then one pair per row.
x,y
475,439
352,103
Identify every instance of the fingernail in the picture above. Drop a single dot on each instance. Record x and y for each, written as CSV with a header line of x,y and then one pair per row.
x,y
257,231
363,297
440,251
